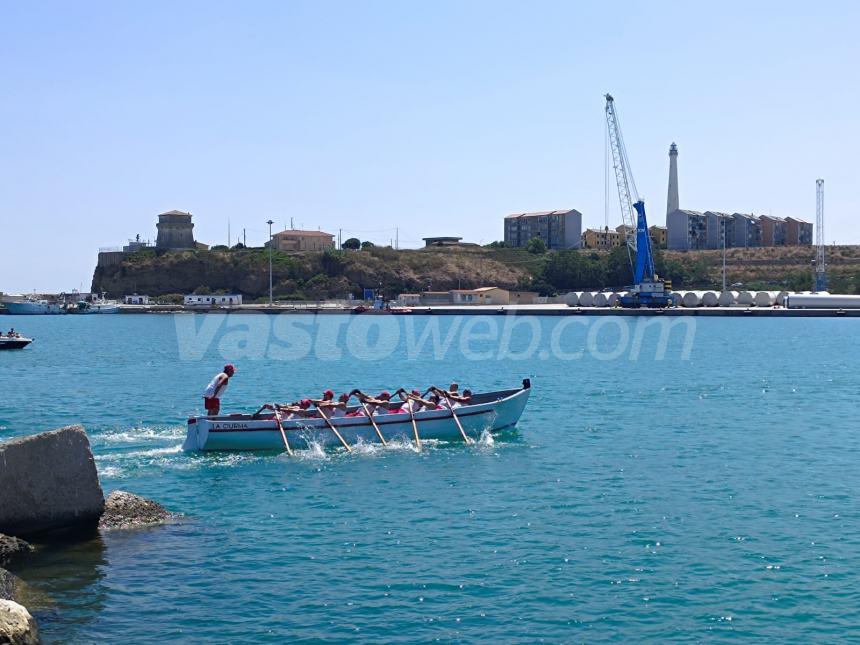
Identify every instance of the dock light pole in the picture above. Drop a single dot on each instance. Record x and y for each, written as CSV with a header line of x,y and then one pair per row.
x,y
724,255
270,222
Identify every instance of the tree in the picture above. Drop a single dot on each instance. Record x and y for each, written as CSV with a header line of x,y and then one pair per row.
x,y
352,244
496,245
367,245
536,246
332,262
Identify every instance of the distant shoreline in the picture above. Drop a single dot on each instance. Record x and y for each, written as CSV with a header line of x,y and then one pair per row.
x,y
489,310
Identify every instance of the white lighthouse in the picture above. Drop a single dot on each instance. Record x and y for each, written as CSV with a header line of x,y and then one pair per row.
x,y
672,203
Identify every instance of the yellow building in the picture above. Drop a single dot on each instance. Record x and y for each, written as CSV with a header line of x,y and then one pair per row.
x,y
659,236
295,240
597,238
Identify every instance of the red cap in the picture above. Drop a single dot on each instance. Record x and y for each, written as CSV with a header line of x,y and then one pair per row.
x,y
305,403
328,393
344,397
385,396
229,370
416,393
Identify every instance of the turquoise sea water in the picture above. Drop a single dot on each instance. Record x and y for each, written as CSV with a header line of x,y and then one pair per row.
x,y
712,497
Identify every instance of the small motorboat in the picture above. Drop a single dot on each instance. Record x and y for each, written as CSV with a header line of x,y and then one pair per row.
x,y
489,411
14,342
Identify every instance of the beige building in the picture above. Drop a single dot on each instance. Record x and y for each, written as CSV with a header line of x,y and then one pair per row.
x,y
659,236
602,238
479,296
294,240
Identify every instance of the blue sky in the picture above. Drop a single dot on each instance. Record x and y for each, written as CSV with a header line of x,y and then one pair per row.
x,y
438,118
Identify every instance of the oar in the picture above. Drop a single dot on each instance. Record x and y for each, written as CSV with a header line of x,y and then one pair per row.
x,y
333,429
375,427
457,419
283,434
414,424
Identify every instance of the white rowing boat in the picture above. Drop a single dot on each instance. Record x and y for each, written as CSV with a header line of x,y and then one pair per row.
x,y
490,411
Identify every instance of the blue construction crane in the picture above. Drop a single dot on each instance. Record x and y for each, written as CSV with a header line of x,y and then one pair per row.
x,y
648,290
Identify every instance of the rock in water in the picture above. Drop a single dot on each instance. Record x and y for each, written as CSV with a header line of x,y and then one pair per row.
x,y
17,625
49,481
12,548
10,586
126,510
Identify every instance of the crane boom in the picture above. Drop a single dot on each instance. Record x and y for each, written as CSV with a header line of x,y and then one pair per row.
x,y
647,289
623,175
820,253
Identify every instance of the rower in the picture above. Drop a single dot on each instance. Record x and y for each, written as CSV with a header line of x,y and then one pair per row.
x,y
215,390
451,398
375,405
339,408
298,409
411,402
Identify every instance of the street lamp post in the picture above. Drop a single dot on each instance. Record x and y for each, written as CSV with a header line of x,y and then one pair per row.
x,y
724,255
270,222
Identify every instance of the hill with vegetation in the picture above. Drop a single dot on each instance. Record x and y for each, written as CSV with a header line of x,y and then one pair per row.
x,y
336,274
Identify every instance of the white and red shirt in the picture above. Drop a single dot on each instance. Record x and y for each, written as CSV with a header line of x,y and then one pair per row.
x,y
213,391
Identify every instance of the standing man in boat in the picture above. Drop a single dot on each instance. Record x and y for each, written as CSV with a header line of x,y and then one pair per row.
x,y
215,390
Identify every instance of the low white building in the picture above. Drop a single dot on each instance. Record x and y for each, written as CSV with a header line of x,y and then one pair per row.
x,y
210,300
409,299
135,299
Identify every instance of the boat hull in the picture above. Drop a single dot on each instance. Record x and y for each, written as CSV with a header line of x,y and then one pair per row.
x,y
33,308
14,343
494,412
100,309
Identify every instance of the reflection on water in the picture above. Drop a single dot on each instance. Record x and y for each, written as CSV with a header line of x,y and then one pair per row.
x,y
64,581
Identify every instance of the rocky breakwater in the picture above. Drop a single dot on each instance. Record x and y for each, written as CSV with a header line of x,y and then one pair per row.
x,y
49,486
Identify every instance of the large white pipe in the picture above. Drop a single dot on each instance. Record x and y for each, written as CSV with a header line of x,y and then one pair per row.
x,y
613,298
821,301
780,298
727,298
571,299
745,298
764,299
690,299
601,299
710,299
586,299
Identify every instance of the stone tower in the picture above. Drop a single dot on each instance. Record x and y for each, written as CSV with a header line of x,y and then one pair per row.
x,y
175,231
672,203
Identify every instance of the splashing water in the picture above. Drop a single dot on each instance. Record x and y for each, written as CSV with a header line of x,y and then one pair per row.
x,y
486,439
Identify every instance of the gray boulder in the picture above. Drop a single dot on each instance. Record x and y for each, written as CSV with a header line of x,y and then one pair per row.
x,y
126,510
12,548
49,481
10,585
17,625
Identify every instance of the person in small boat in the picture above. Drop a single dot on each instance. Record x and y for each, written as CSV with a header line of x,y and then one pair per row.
x,y
215,390
297,410
339,408
328,407
451,398
412,401
375,405
433,403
